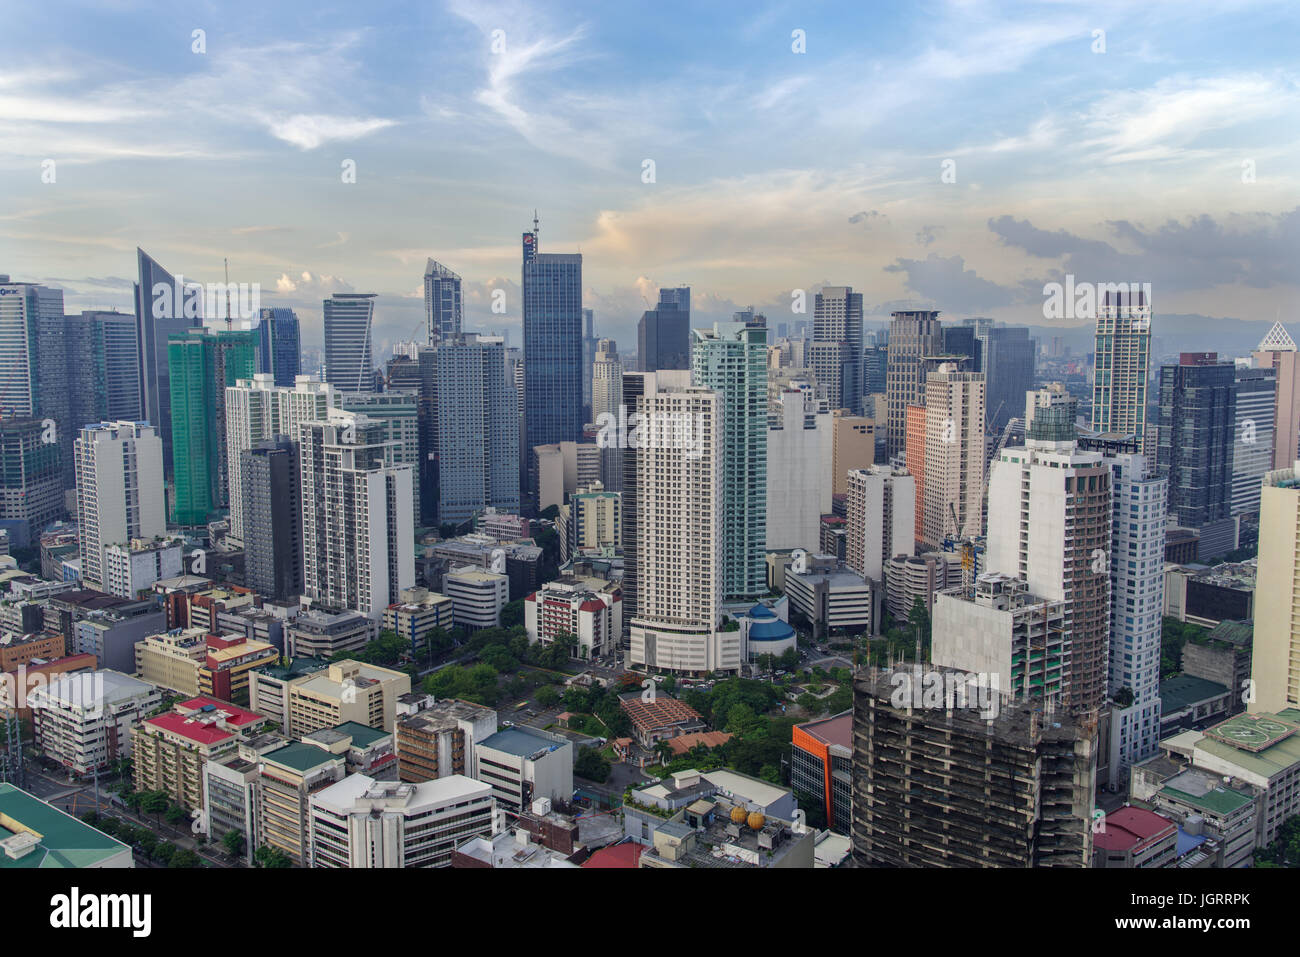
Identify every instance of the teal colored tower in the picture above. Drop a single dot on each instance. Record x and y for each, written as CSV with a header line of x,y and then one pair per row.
x,y
731,359
201,365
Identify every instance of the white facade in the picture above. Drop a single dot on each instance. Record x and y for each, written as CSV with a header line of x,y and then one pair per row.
x,y
594,618
358,516
679,516
119,468
84,720
799,451
1137,597
523,764
881,518
133,567
362,823
477,597
257,410
954,455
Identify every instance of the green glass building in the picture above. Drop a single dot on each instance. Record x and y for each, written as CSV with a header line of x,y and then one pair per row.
x,y
201,365
731,359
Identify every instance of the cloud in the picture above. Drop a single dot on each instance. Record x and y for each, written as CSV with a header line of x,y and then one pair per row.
x,y
946,281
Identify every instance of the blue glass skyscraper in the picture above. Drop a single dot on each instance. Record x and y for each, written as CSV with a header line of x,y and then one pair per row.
x,y
279,351
552,289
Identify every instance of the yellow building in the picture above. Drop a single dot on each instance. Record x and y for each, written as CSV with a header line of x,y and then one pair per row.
x,y
346,691
169,751
1276,652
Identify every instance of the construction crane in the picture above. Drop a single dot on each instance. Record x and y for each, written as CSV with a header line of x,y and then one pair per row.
x,y
970,549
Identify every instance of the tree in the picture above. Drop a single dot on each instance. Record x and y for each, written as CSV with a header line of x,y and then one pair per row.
x,y
164,851
185,858
919,620
234,842
664,750
155,802
266,856
592,765
547,696
175,814
513,614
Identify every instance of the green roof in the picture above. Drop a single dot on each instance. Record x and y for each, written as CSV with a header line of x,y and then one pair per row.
x,y
1222,801
301,757
362,735
65,841
1183,691
1237,632
1267,761
297,666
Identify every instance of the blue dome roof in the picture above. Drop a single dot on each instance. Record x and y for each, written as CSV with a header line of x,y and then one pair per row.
x,y
761,611
770,631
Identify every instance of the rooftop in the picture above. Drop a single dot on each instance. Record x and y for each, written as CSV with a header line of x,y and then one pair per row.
x,y
61,840
1128,827
1183,691
301,757
837,729
523,742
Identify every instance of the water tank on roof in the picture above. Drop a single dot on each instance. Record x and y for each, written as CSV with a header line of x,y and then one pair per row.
x,y
1194,825
738,815
756,821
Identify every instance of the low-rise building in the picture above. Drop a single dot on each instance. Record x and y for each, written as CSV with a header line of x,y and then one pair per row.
x,y
22,649
659,717
1206,595
1135,837
359,822
86,720
909,577
35,834
417,613
196,662
1188,702
829,598
287,778
16,686
439,740
367,751
170,750
131,568
523,764
268,685
344,691
1204,806
821,767
316,633
477,597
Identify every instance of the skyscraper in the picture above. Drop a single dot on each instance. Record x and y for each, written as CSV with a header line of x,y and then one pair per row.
x,y
357,516
1275,669
442,301
552,290
800,456
879,521
1197,416
279,346
588,361
913,335
606,397
731,359
477,444
1123,364
272,517
837,346
954,455
1006,357
1277,351
349,366
679,554
663,335
258,410
1252,445
160,313
1049,524
119,491
34,363
31,480
112,338
202,365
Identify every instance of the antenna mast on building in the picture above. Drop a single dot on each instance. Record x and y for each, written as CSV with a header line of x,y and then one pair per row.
x,y
228,323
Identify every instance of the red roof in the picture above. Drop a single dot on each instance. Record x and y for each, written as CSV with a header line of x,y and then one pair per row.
x,y
236,715
1131,827
185,727
617,855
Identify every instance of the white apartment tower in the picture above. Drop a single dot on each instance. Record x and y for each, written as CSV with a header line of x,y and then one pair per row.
x,y
1275,665
678,476
357,516
881,514
257,410
800,430
954,454
119,468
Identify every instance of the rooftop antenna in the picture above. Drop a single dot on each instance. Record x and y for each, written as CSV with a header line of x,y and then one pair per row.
x,y
535,222
228,324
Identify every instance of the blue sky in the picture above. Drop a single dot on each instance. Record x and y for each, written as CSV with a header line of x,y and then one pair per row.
x,y
774,170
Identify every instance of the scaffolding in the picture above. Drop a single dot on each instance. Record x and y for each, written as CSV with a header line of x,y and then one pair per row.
x,y
11,761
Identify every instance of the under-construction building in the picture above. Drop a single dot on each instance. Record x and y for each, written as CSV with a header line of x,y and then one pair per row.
x,y
948,786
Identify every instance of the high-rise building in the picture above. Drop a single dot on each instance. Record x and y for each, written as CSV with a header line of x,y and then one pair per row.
x,y
1252,444
34,363
398,410
731,359
879,522
1275,668
1137,592
271,508
800,457
357,516
442,302
678,484
552,290
1197,415
201,366
1123,364
279,345
160,312
349,365
104,359
663,334
31,480
837,322
119,491
954,455
914,462
1277,351
257,410
1006,357
853,446
476,428
606,397
947,787
635,387
1049,524
589,344
913,335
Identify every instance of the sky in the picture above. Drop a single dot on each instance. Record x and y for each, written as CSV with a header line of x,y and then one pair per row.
x,y
955,155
